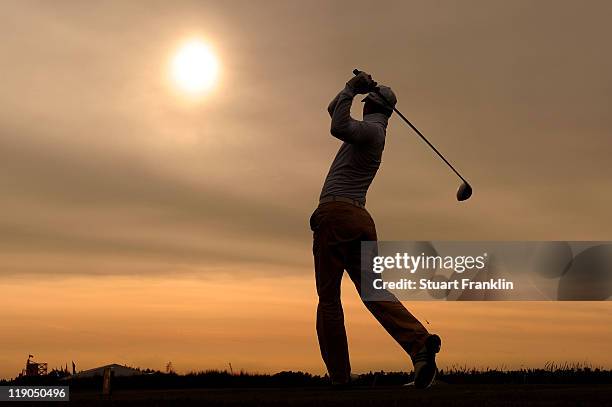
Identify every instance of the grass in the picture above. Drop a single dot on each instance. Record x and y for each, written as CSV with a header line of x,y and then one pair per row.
x,y
553,385
551,373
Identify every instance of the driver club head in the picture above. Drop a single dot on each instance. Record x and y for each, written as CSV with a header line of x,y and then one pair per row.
x,y
464,192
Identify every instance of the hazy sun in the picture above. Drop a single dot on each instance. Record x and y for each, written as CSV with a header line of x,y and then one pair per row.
x,y
195,67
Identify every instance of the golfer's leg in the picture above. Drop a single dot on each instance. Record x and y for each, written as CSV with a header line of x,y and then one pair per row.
x,y
392,315
330,317
400,323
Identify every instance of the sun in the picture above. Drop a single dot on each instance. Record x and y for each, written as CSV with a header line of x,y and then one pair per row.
x,y
195,67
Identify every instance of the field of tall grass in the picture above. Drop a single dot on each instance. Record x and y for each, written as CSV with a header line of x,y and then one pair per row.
x,y
551,373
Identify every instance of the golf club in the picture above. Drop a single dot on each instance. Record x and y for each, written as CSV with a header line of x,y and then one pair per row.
x,y
465,190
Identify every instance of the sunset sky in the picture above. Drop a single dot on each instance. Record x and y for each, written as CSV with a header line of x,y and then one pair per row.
x,y
140,224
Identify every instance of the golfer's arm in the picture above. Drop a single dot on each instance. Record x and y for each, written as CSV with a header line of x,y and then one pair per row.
x,y
343,126
332,105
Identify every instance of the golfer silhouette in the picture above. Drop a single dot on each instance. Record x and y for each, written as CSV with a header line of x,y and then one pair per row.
x,y
341,222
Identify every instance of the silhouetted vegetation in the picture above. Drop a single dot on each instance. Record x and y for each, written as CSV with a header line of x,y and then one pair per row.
x,y
550,374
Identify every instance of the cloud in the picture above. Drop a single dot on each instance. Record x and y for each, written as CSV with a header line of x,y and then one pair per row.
x,y
101,157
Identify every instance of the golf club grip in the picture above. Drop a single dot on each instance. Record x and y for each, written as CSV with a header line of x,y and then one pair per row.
x,y
357,72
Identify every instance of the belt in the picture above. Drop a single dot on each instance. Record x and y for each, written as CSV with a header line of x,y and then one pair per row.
x,y
335,198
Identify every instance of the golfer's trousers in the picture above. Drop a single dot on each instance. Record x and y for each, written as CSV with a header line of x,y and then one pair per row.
x,y
338,229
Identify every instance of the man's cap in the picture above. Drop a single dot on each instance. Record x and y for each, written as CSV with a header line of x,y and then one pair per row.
x,y
389,97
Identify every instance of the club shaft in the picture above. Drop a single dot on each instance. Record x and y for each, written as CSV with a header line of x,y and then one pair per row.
x,y
427,141
357,71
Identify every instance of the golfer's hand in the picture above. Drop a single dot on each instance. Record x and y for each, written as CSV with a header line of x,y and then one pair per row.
x,y
362,83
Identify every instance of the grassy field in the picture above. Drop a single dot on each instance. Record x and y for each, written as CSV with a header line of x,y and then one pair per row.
x,y
555,385
438,395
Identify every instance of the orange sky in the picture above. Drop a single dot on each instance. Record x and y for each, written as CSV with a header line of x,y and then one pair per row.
x,y
129,211
268,325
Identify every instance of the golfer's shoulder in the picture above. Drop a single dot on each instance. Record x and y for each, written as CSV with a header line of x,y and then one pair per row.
x,y
374,133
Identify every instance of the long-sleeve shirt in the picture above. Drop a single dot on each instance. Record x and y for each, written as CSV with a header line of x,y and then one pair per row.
x,y
359,157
